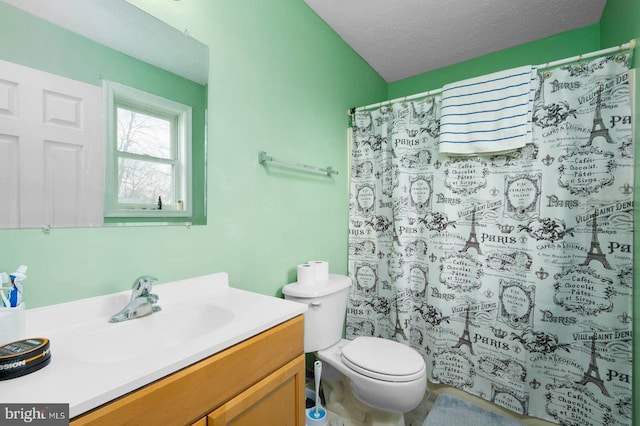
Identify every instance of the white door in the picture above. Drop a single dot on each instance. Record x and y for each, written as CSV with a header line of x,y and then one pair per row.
x,y
51,150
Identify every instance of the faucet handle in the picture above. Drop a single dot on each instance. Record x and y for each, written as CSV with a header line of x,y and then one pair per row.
x,y
142,286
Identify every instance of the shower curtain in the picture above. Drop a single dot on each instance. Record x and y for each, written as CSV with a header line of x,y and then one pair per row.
x,y
510,273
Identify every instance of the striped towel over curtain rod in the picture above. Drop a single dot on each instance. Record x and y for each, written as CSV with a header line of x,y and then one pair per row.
x,y
486,114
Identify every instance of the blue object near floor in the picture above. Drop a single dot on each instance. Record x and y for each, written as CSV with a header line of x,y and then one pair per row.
x,y
451,411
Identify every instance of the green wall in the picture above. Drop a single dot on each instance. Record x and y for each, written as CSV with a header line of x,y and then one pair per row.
x,y
281,81
571,43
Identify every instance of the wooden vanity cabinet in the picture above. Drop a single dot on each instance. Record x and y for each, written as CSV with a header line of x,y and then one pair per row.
x,y
259,381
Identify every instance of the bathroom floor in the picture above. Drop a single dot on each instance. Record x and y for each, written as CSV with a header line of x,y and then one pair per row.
x,y
416,416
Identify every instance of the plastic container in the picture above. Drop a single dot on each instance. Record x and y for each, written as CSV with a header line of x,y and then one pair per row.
x,y
316,417
12,324
332,419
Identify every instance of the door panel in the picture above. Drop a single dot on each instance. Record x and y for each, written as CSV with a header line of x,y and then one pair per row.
x,y
53,129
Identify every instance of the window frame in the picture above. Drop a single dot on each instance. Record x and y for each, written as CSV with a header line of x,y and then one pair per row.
x,y
116,95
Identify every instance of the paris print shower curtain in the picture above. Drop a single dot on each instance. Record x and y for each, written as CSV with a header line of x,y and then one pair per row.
x,y
511,274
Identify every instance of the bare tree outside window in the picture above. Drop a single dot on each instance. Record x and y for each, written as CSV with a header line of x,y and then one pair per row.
x,y
143,174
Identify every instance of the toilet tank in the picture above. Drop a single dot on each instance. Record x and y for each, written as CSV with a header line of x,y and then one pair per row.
x,y
327,302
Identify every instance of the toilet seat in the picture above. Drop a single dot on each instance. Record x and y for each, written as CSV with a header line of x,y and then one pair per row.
x,y
383,359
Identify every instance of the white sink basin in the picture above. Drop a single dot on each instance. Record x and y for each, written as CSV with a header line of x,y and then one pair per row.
x,y
158,332
94,361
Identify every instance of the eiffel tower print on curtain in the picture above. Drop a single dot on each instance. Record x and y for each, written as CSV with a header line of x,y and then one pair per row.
x,y
595,252
465,337
598,129
472,241
592,375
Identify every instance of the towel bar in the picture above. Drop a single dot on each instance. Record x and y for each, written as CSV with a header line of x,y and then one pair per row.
x,y
263,157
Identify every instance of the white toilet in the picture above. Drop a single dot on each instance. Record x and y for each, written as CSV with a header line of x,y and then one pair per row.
x,y
386,378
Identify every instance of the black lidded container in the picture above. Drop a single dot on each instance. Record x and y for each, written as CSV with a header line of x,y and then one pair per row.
x,y
23,357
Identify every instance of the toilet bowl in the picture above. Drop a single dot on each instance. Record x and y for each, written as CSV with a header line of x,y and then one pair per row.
x,y
371,380
382,373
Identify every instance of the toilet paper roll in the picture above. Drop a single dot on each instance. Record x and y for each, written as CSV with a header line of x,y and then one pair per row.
x,y
306,274
321,270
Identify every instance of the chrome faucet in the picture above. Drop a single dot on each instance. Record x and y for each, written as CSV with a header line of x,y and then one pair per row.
x,y
142,301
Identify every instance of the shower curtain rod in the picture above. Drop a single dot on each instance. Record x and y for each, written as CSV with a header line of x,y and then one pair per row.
x,y
631,45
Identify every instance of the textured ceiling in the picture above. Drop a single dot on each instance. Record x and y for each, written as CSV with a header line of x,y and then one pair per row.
x,y
403,38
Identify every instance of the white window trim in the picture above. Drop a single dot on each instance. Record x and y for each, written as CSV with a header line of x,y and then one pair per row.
x,y
151,102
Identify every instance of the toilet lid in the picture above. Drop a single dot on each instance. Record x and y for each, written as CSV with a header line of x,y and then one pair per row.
x,y
383,359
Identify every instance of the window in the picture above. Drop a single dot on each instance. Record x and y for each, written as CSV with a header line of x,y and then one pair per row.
x,y
148,170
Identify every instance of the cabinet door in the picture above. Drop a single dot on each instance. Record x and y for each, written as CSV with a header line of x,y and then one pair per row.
x,y
201,422
277,400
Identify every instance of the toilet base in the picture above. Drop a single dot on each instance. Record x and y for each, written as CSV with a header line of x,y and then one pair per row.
x,y
344,409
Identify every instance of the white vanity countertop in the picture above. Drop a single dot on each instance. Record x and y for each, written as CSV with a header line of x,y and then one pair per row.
x,y
94,362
